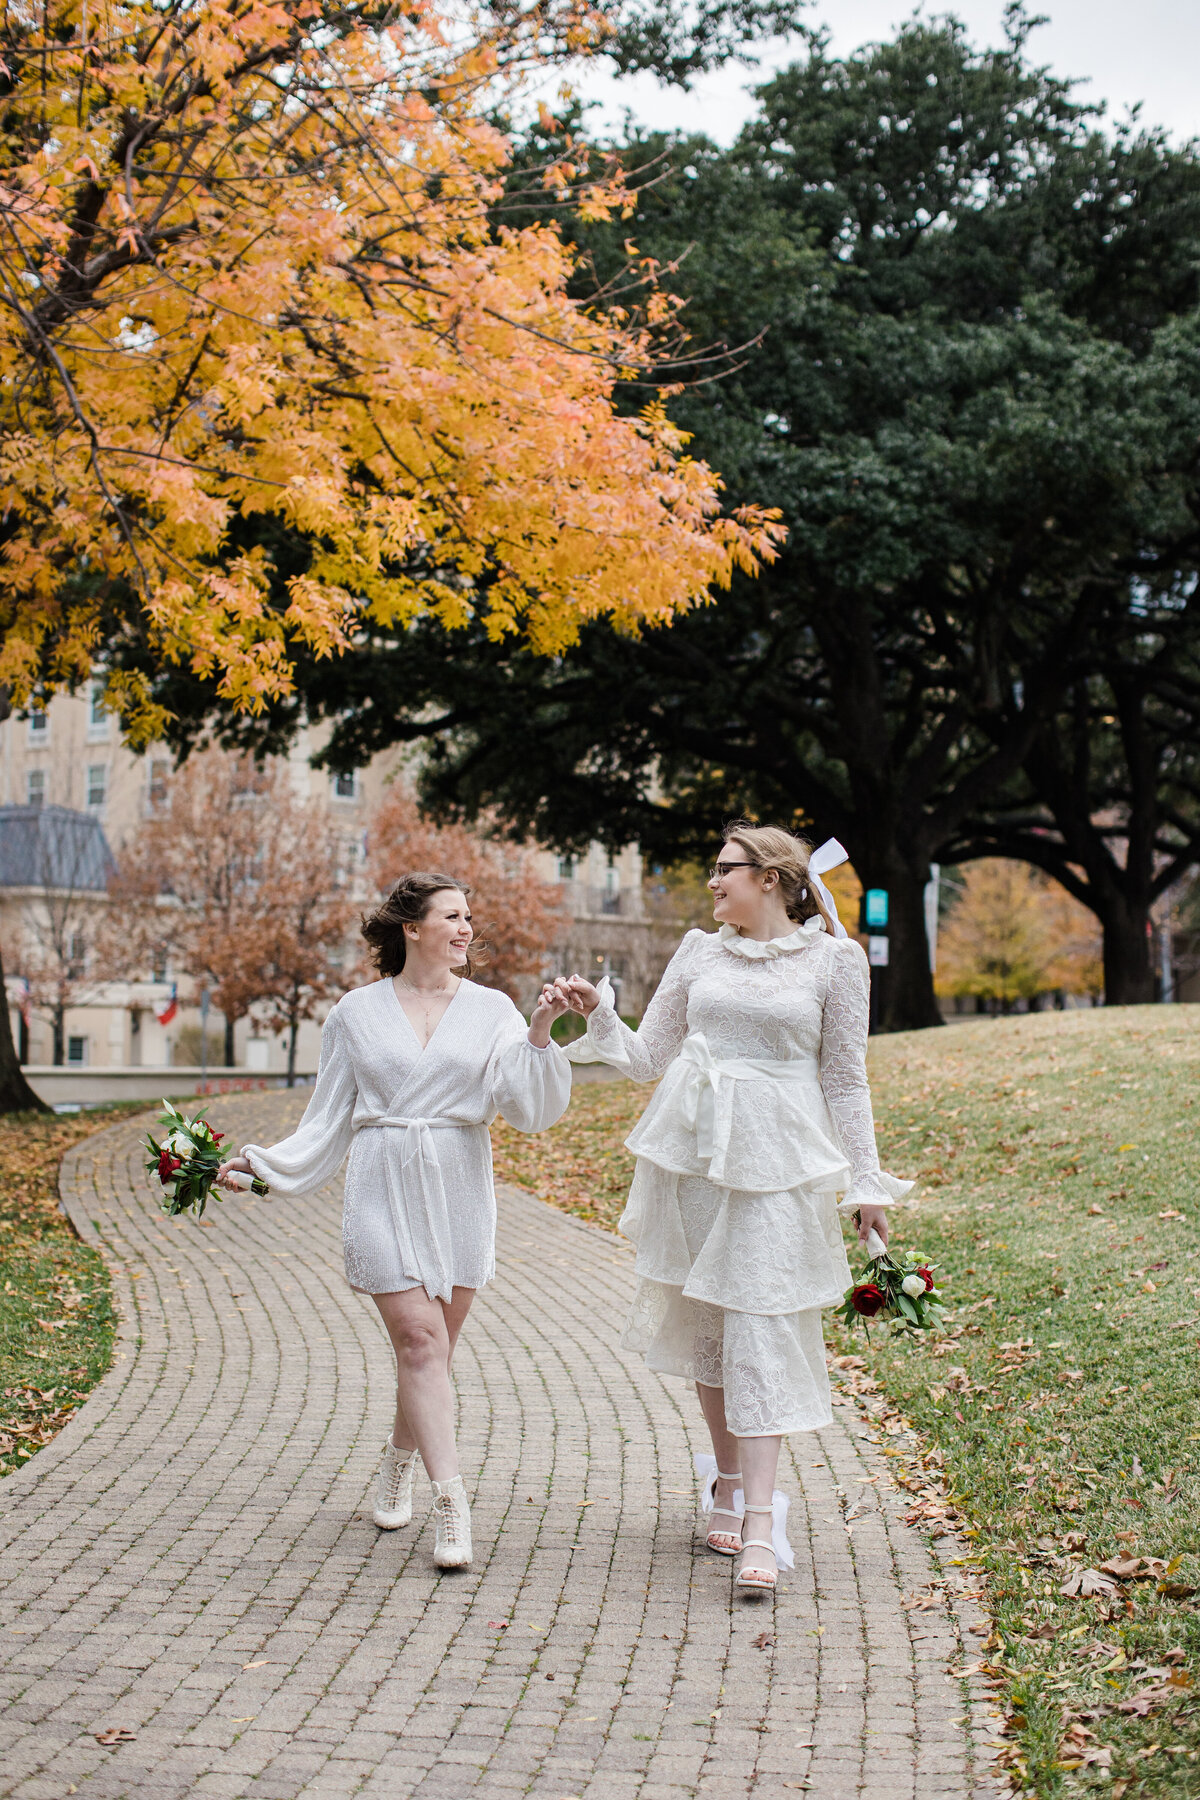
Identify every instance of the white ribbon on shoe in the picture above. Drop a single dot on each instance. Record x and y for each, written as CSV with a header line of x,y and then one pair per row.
x,y
706,1469
829,855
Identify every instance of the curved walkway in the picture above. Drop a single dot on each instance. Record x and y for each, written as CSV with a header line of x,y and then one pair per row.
x,y
193,1560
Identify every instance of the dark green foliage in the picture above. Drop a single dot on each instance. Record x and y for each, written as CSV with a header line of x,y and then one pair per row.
x,y
963,358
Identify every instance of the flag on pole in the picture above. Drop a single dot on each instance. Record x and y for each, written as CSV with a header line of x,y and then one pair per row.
x,y
170,1007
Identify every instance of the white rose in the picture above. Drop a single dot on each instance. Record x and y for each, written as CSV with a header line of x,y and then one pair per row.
x,y
913,1285
180,1144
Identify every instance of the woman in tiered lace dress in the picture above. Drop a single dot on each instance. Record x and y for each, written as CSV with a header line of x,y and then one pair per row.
x,y
761,1120
413,1069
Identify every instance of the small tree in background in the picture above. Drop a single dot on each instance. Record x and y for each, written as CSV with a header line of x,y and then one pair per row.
x,y
1013,935
517,915
186,890
307,916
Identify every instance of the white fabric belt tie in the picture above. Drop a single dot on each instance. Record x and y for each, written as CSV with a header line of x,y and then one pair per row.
x,y
704,1075
421,1213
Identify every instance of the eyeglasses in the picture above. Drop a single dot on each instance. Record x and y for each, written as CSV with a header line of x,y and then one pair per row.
x,y
722,869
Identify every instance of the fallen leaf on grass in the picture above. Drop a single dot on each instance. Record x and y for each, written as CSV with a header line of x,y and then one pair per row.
x,y
1088,1581
1122,1567
114,1734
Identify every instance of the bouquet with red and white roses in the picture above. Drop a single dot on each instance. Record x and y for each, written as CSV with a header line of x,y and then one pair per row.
x,y
898,1289
186,1163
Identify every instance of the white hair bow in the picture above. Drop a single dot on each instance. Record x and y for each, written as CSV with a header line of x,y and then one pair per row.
x,y
829,856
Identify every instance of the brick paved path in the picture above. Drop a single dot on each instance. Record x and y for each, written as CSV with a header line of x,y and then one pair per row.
x,y
193,1557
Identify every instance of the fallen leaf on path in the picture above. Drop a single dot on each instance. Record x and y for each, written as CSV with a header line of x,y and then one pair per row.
x,y
763,1641
497,1624
114,1734
257,1665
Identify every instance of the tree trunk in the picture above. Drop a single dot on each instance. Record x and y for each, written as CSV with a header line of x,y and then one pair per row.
x,y
229,1025
59,1053
293,1034
16,1095
1128,953
902,994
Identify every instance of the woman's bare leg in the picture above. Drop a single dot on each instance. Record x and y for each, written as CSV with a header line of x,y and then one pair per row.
x,y
725,1447
423,1334
760,1461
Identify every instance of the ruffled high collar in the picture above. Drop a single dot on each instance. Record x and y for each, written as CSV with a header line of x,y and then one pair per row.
x,y
758,950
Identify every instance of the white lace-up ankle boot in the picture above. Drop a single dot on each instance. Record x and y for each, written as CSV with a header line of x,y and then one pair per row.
x,y
453,1515
394,1487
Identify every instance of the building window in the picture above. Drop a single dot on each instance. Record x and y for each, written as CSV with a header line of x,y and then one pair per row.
x,y
160,773
98,713
566,868
35,787
39,726
77,1049
345,787
97,785
76,956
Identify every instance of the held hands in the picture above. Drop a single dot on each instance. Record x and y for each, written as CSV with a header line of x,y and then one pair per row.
x,y
551,1005
577,994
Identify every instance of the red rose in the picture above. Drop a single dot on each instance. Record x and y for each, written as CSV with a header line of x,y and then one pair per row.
x,y
927,1277
167,1165
868,1299
218,1135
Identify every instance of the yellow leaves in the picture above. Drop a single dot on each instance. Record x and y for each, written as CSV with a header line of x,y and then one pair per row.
x,y
292,303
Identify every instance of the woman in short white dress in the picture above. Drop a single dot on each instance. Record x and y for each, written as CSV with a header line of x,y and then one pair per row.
x,y
413,1069
761,1119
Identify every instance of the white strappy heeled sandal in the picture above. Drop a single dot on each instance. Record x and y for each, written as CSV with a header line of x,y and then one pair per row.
x,y
732,1544
753,1576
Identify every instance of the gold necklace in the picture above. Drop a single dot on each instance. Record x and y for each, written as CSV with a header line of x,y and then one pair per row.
x,y
426,999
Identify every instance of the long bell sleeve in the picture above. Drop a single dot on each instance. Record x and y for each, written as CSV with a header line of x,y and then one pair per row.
x,y
844,1079
528,1085
644,1054
316,1149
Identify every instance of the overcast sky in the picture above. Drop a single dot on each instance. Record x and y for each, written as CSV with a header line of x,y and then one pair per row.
x,y
1122,52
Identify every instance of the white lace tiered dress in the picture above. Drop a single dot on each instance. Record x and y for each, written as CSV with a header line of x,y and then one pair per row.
x,y
761,1119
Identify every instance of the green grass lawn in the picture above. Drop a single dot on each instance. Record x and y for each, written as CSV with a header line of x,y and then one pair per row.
x,y
56,1316
1060,1198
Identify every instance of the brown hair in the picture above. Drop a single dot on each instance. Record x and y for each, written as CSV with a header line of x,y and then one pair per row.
x,y
769,847
407,904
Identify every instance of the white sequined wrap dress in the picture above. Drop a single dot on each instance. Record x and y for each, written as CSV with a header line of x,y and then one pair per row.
x,y
420,1206
761,1119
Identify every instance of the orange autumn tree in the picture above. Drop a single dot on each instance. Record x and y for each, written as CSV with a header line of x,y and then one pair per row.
x,y
517,915
250,291
1013,934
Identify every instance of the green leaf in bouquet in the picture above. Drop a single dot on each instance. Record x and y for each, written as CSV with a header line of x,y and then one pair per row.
x,y
908,1307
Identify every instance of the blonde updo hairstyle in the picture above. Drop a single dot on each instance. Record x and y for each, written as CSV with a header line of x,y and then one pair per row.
x,y
769,847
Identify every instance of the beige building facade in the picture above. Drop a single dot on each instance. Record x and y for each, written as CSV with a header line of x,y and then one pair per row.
x,y
71,756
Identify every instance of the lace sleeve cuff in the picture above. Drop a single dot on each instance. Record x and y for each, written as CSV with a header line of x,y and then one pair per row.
x,y
875,1188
